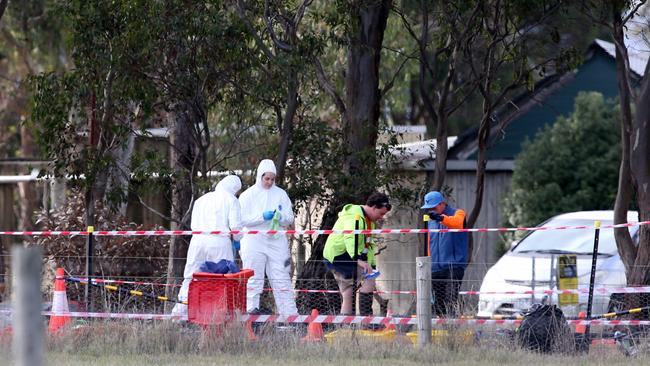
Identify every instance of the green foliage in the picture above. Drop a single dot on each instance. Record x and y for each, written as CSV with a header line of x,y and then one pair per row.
x,y
54,102
229,72
314,164
134,62
569,166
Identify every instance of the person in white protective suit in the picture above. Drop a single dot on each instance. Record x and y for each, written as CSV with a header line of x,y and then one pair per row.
x,y
216,210
261,205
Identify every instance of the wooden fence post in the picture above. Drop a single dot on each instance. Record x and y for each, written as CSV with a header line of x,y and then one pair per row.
x,y
26,307
423,282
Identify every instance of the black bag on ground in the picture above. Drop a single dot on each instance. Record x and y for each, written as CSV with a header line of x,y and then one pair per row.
x,y
543,329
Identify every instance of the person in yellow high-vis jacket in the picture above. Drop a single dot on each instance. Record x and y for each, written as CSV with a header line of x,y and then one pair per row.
x,y
341,259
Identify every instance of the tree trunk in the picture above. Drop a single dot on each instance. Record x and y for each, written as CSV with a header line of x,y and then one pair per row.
x,y
3,7
626,247
362,90
287,125
360,120
481,163
640,160
183,158
121,174
27,191
441,154
8,223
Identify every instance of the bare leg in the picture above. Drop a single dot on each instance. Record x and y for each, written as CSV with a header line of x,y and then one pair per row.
x,y
346,301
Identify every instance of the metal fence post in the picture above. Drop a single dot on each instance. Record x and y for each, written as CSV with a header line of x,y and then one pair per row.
x,y
26,313
592,276
423,283
426,219
90,250
355,267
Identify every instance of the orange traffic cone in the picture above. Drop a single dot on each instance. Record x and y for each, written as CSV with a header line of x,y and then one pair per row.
x,y
249,331
6,334
314,330
389,315
581,328
60,309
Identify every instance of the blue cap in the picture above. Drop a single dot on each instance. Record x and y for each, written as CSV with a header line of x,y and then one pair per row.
x,y
432,199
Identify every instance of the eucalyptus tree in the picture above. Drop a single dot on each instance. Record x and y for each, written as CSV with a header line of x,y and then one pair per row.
x,y
440,33
284,45
138,65
473,56
634,169
499,59
359,26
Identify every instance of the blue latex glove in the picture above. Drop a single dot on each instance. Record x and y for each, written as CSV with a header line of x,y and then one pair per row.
x,y
236,245
268,215
371,275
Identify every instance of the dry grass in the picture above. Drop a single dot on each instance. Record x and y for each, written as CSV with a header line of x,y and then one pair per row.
x,y
166,343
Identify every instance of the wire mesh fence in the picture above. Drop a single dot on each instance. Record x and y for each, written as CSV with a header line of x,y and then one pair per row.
x,y
132,281
120,293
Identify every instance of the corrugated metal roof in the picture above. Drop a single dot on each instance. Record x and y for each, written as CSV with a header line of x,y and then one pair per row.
x,y
638,58
549,100
412,154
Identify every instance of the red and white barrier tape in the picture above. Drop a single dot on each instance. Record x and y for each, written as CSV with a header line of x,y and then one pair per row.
x,y
341,319
307,232
337,319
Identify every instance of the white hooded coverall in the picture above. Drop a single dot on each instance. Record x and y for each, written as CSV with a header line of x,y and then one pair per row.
x,y
216,210
265,253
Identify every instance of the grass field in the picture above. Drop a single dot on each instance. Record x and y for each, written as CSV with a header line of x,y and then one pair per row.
x,y
135,343
281,358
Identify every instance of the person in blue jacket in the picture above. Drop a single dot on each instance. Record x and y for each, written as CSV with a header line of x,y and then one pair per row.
x,y
449,252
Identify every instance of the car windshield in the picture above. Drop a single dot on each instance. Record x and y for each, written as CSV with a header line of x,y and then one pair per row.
x,y
570,240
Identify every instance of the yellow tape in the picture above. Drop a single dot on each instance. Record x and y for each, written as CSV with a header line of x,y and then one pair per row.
x,y
357,217
133,292
597,224
90,229
184,302
607,315
637,310
425,218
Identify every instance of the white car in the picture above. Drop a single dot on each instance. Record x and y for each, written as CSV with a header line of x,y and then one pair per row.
x,y
539,250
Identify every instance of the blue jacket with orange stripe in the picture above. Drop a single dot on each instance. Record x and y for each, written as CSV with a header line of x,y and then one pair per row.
x,y
449,249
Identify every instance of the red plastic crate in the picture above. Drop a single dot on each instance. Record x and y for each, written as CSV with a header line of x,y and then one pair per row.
x,y
215,298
